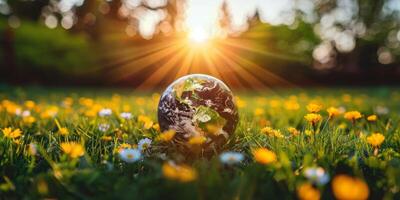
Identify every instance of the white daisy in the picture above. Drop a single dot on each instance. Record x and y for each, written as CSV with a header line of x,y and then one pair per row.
x,y
26,113
382,110
105,112
144,144
316,175
130,155
126,115
231,157
104,127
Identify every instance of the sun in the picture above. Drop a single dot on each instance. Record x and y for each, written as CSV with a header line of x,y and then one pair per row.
x,y
198,35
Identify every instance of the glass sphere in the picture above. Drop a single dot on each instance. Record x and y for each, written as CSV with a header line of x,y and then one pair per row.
x,y
198,106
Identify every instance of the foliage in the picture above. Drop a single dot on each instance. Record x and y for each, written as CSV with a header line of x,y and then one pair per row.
x,y
38,48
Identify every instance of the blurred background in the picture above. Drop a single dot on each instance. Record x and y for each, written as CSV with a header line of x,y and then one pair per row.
x,y
247,43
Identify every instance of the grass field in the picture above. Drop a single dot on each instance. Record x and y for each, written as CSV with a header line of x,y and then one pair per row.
x,y
306,144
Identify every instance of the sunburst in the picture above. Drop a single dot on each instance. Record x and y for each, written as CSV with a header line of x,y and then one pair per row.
x,y
156,63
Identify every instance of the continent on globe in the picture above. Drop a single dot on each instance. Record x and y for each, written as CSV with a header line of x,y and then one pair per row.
x,y
198,105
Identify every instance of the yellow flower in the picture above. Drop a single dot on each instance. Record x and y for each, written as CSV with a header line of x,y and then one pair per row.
x,y
264,156
342,125
292,105
13,134
30,104
333,112
372,118
90,113
29,120
63,131
182,173
313,118
72,149
240,103
87,102
147,122
49,112
308,132
197,140
308,192
156,127
167,135
259,112
293,131
352,115
267,130
271,132
67,102
375,139
346,187
314,108
106,138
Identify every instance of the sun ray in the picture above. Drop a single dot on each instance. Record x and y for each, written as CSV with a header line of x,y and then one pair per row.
x,y
257,70
129,69
244,74
160,74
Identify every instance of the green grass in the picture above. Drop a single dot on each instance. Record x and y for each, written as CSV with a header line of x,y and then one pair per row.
x,y
339,147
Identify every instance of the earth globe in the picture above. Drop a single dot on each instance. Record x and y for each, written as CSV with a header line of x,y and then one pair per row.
x,y
198,106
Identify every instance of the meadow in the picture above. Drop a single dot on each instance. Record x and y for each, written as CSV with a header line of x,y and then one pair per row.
x,y
289,144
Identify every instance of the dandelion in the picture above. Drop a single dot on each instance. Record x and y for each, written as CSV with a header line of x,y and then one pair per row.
x,y
292,105
167,135
375,140
316,175
50,112
126,115
29,104
259,112
106,138
333,112
182,173
29,120
63,131
72,149
12,134
271,132
372,118
144,144
231,157
197,140
130,155
293,131
105,112
308,132
264,156
240,103
347,187
313,118
156,127
307,192
352,116
67,102
147,122
104,127
314,108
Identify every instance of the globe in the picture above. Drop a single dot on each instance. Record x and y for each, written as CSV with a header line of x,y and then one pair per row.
x,y
198,105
